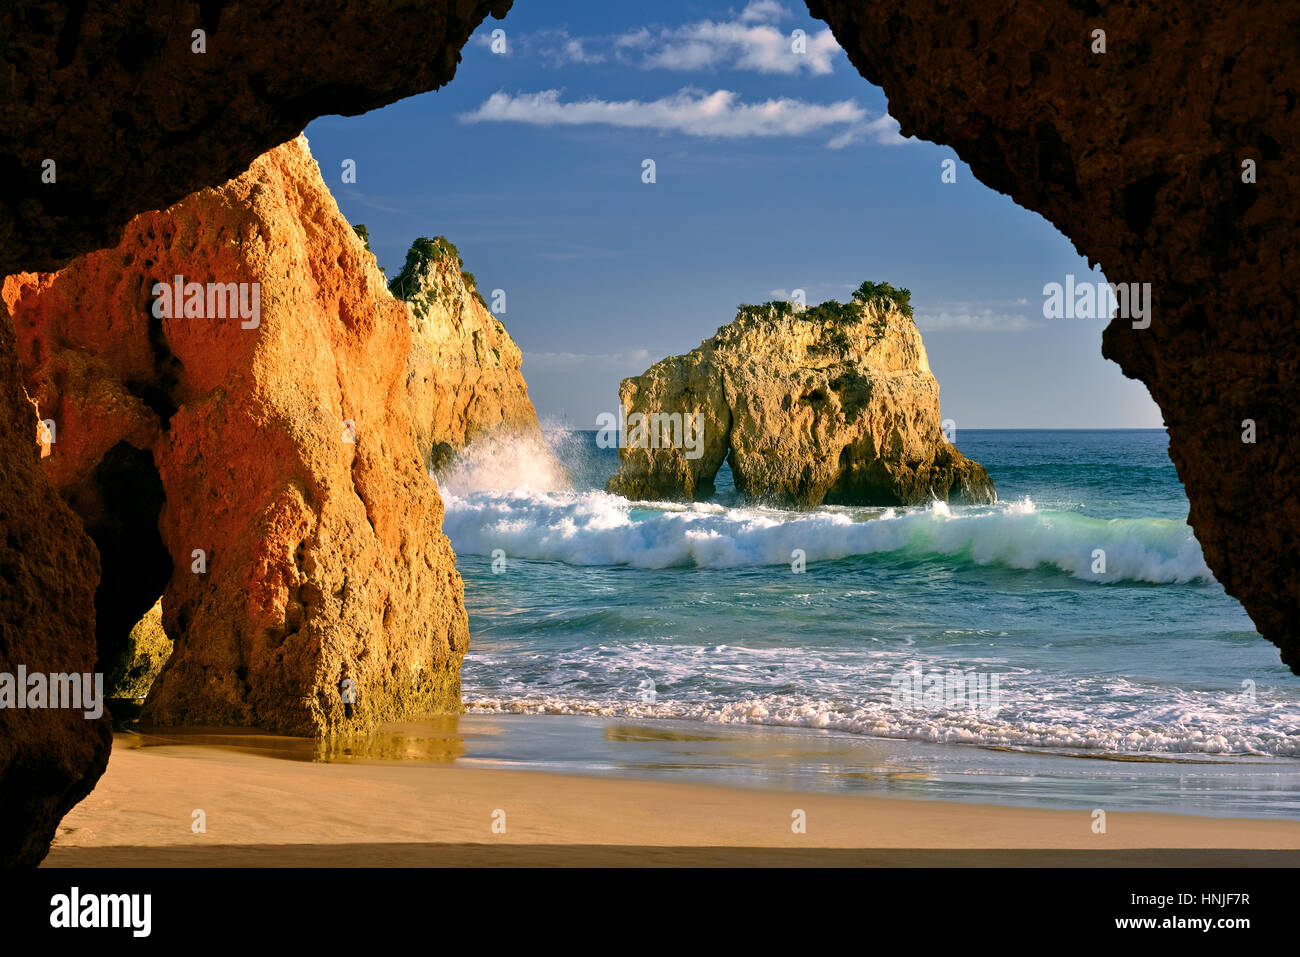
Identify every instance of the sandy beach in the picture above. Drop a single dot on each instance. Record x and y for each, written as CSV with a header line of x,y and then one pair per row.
x,y
265,811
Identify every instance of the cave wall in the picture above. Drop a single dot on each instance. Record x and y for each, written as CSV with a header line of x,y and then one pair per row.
x,y
1136,154
49,759
133,120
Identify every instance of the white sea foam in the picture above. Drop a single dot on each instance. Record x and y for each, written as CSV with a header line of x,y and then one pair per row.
x,y
949,727
849,692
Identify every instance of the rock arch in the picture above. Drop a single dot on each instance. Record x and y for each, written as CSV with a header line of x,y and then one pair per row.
x,y
1134,154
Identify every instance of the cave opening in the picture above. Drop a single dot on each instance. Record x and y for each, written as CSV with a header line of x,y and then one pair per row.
x,y
156,391
135,565
1127,663
1078,449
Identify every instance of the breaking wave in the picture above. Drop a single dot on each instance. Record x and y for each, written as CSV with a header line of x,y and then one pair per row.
x,y
596,528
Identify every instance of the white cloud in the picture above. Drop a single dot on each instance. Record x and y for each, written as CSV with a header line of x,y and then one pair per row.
x,y
965,319
573,50
882,130
693,112
634,39
751,40
640,358
557,46
764,11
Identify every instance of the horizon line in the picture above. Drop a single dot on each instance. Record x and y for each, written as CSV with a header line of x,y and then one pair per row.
x,y
999,428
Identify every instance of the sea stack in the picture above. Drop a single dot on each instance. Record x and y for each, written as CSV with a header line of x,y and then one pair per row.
x,y
828,404
463,378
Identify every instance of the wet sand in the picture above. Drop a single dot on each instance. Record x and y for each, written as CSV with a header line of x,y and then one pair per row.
x,y
265,811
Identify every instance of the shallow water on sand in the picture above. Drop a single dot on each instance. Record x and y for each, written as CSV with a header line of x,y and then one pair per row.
x,y
795,759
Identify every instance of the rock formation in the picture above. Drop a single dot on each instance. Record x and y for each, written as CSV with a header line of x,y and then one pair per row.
x,y
463,377
1166,159
831,404
143,120
267,405
147,649
49,758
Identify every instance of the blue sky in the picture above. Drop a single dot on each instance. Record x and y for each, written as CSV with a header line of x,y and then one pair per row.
x,y
774,171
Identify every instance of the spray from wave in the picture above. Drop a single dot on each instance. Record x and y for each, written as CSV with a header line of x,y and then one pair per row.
x,y
505,463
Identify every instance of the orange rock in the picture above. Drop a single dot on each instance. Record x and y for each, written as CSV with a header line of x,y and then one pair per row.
x,y
141,123
49,758
302,527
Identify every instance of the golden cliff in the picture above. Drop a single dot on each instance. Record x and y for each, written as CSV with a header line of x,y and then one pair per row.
x,y
835,403
463,378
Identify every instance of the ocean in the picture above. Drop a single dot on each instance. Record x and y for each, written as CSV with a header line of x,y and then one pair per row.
x,y
954,652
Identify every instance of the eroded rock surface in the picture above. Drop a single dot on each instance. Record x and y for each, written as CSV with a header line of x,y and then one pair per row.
x,y
463,376
1136,155
833,404
49,758
297,514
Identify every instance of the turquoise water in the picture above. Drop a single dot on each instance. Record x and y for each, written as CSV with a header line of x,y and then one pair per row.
x,y
992,627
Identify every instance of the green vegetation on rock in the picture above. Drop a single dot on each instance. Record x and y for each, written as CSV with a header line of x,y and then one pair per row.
x,y
883,292
423,254
879,293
